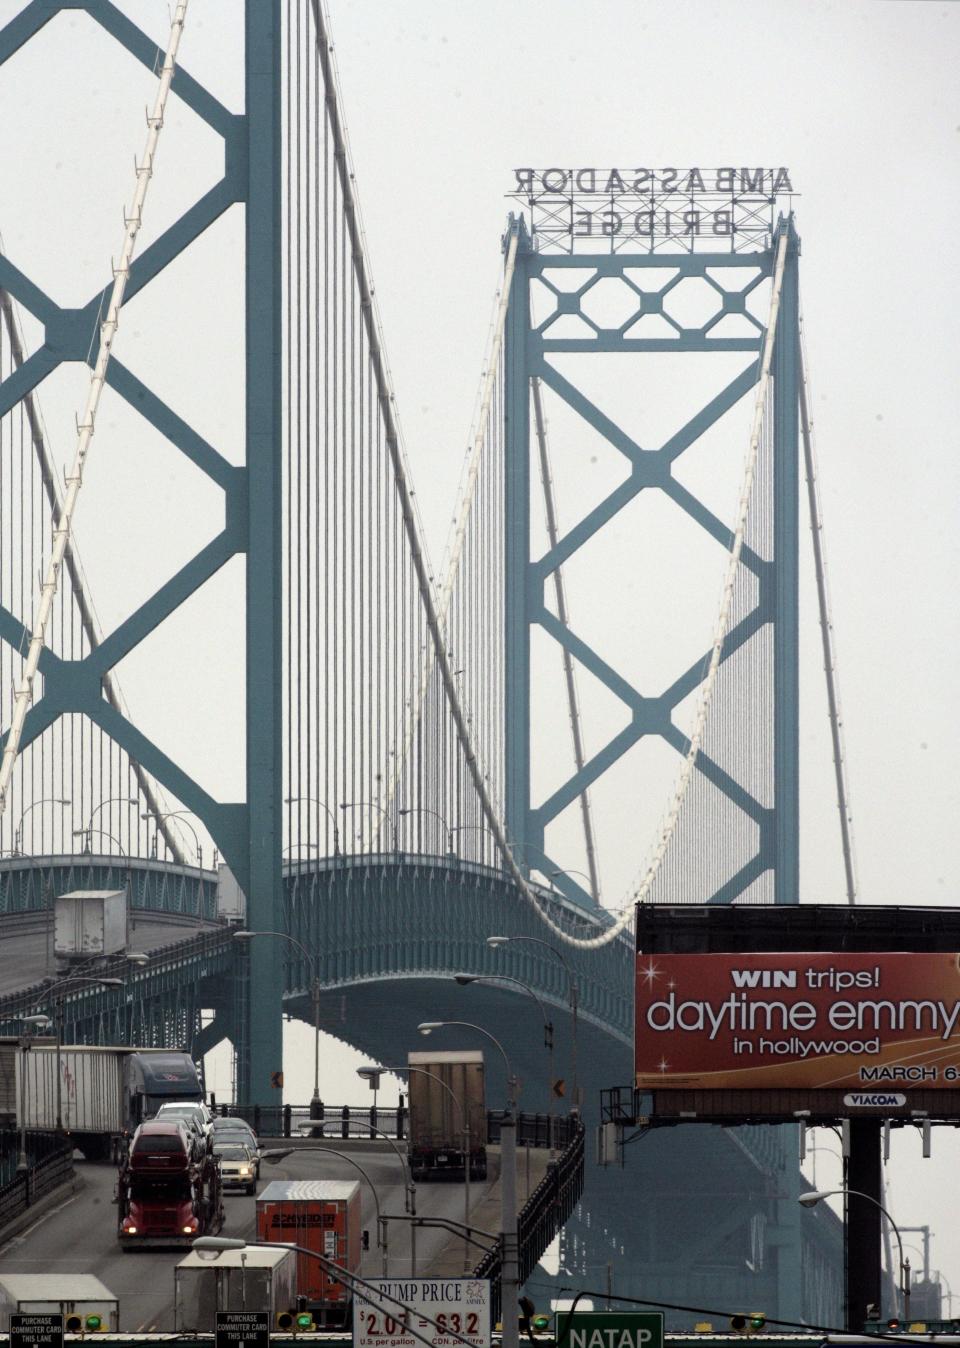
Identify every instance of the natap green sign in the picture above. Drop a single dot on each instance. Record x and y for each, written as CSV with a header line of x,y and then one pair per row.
x,y
610,1329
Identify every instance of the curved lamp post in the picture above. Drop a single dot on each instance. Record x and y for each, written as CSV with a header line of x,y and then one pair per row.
x,y
18,834
315,800
510,1268
373,1073
496,942
277,1154
423,809
494,980
371,805
410,1189
811,1199
51,991
314,992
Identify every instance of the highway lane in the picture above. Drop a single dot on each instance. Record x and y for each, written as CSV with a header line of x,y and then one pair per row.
x,y
79,1236
26,947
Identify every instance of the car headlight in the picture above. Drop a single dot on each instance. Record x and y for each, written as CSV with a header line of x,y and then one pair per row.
x,y
244,1170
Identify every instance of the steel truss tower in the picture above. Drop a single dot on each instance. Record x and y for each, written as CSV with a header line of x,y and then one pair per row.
x,y
246,832
529,346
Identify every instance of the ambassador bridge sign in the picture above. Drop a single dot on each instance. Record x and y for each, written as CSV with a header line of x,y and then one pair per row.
x,y
732,209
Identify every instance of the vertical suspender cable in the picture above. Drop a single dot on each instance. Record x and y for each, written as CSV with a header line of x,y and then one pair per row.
x,y
108,330
826,634
578,754
430,612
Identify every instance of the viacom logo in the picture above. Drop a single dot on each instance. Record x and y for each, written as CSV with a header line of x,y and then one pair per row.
x,y
874,1100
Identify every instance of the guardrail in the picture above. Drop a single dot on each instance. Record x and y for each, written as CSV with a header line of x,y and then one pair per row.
x,y
540,1219
351,1121
50,1163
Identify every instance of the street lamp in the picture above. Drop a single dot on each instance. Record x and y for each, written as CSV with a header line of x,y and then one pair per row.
x,y
495,942
473,828
18,833
510,1264
494,981
366,1291
315,995
423,809
275,1155
158,819
371,805
811,1199
410,1189
111,800
101,833
290,800
374,1073
54,988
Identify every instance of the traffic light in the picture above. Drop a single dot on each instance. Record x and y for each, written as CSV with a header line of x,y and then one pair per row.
x,y
85,1324
754,1323
530,1322
295,1322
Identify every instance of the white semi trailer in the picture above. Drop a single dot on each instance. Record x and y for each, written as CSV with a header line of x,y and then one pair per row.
x,y
100,1093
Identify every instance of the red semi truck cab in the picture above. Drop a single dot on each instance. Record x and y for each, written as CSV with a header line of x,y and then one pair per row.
x,y
323,1216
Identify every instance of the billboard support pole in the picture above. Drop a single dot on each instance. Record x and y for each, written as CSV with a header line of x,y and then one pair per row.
x,y
862,1227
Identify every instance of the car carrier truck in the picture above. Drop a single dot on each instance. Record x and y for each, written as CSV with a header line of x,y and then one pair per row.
x,y
167,1192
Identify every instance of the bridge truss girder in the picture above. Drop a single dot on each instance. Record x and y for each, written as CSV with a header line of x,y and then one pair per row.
x,y
529,347
247,833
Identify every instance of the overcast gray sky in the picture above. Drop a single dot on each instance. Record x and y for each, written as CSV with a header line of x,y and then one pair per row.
x,y
442,101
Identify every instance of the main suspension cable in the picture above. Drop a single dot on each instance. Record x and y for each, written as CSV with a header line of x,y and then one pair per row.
x,y
108,331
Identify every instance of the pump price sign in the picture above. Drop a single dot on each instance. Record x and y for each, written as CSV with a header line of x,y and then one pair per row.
x,y
36,1331
442,1311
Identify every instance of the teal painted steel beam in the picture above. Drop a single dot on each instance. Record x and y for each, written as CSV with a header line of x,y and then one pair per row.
x,y
786,525
516,561
650,469
264,427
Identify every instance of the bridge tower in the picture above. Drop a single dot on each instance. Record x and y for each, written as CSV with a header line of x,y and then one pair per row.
x,y
578,253
246,832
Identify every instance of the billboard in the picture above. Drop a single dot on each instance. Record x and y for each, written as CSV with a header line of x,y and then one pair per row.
x,y
841,1021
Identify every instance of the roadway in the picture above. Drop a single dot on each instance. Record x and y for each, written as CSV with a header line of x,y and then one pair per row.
x,y
26,943
79,1235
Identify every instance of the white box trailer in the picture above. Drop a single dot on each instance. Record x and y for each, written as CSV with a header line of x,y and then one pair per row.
x,y
105,1091
67,1294
250,1280
89,922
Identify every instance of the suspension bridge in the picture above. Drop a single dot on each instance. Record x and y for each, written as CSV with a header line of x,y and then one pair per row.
x,y
421,747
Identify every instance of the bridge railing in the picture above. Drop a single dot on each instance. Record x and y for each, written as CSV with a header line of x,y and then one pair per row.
x,y
50,1164
351,1121
541,1217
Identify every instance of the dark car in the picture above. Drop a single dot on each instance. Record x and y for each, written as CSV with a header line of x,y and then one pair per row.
x,y
161,1145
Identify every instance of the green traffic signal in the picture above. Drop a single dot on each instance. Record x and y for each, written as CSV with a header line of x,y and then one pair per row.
x,y
305,1320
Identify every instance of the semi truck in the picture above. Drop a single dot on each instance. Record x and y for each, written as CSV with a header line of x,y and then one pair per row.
x,y
167,1193
446,1099
87,1306
100,1093
254,1279
87,923
323,1216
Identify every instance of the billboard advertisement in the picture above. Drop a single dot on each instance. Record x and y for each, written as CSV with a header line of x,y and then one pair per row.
x,y
842,1021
